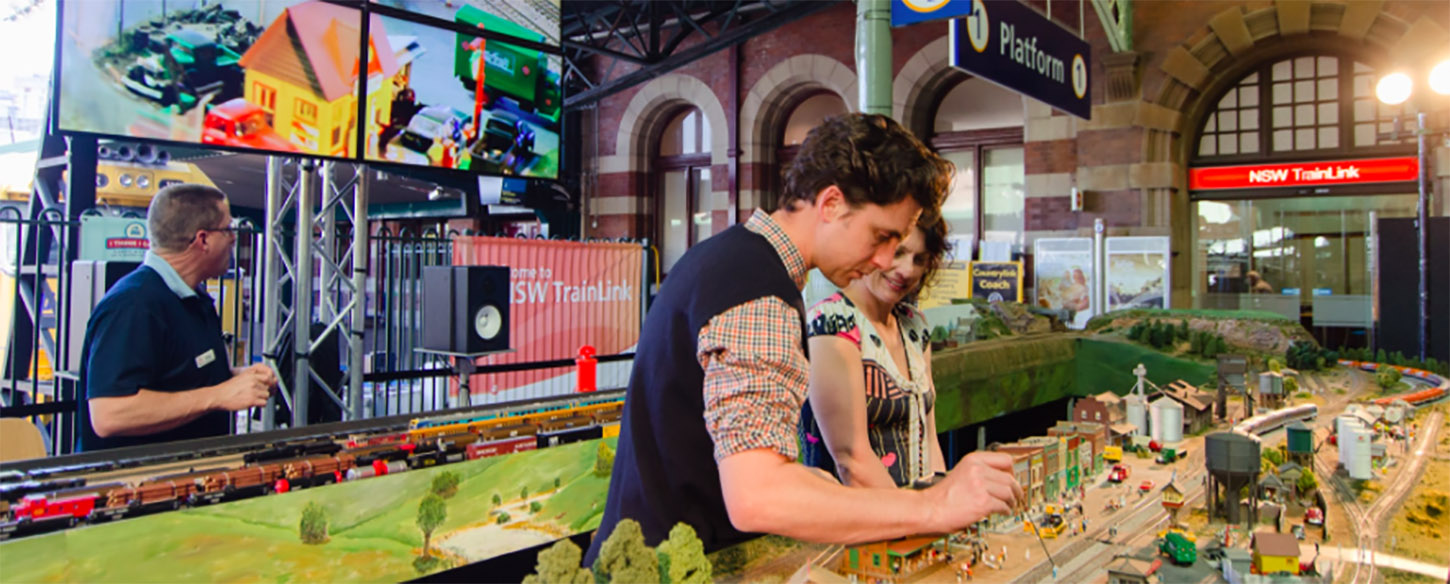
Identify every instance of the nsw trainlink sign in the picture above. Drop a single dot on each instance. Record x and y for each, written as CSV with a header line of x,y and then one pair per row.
x,y
1302,174
1014,46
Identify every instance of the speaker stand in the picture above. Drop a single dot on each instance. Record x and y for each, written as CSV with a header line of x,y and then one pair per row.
x,y
464,367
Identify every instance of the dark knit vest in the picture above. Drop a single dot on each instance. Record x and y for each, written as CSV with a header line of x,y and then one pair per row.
x,y
664,468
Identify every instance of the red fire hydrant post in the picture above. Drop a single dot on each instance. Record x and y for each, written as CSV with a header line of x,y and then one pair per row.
x,y
586,375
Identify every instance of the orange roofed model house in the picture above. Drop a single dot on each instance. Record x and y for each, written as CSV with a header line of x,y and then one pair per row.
x,y
303,72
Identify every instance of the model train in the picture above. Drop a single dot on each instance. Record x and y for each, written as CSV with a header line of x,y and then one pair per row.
x,y
1268,422
36,506
1439,386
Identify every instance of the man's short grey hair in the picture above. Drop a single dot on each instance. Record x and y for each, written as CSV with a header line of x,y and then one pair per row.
x,y
177,212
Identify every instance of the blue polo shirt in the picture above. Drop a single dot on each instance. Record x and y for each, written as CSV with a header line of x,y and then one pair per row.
x,y
152,331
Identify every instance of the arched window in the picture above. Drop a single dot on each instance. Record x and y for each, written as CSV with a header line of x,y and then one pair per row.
x,y
811,110
978,127
1278,249
683,170
1305,106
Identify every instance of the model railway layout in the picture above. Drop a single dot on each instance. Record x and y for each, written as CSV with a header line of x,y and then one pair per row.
x,y
1439,386
44,501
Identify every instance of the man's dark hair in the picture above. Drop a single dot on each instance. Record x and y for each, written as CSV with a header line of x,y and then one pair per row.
x,y
872,159
934,227
177,212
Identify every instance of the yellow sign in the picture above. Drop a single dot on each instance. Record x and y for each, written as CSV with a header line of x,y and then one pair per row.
x,y
951,282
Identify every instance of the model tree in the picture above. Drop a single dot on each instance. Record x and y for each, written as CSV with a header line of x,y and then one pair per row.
x,y
682,557
1291,385
604,463
560,565
503,518
1307,482
431,513
1275,365
445,484
524,492
313,527
557,482
1387,378
624,557
536,507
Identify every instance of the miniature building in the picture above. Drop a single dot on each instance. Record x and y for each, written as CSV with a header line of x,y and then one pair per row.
x,y
1232,370
1121,434
1172,497
1197,405
1053,460
1300,441
1033,488
1022,471
1289,473
1094,409
1377,452
1275,553
1133,571
303,71
1271,487
891,560
1094,438
1072,465
1271,389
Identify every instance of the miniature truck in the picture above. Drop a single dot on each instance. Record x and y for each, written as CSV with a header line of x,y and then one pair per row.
x,y
1119,473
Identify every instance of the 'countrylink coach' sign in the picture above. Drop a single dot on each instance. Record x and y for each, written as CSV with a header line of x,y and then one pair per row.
x,y
1014,46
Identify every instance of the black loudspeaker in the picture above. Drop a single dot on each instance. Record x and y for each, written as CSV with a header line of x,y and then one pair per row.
x,y
466,309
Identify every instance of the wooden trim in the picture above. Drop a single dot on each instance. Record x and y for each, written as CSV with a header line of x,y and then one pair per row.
x,y
972,138
1300,192
682,161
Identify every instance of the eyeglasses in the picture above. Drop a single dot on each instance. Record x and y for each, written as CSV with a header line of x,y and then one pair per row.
x,y
233,227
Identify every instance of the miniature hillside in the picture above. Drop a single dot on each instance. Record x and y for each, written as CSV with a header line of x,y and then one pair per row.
x,y
1253,333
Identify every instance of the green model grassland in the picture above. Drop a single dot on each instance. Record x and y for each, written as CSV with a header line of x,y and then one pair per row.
x,y
372,528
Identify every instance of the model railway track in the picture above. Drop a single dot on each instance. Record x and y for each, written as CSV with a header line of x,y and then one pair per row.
x,y
47,499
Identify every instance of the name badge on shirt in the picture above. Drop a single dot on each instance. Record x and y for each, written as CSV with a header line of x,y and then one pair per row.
x,y
206,358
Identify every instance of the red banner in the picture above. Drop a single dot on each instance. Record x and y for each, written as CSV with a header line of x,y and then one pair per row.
x,y
1299,174
563,295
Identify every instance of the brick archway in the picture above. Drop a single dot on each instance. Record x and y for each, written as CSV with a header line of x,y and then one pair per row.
x,y
768,105
1221,53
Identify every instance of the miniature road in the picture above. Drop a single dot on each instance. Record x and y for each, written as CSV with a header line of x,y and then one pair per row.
x,y
1387,561
1135,530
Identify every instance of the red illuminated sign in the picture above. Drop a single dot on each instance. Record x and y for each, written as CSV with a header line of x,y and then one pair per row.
x,y
1305,174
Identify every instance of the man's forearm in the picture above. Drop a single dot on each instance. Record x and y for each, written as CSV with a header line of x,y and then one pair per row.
x,y
148,412
768,494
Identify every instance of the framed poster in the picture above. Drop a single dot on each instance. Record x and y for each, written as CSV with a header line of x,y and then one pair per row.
x,y
1063,276
1137,272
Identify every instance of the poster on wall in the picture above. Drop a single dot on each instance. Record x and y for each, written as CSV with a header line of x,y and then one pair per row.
x,y
1137,272
1063,276
996,281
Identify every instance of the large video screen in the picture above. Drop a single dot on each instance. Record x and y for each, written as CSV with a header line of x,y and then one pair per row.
x,y
277,75
539,17
455,100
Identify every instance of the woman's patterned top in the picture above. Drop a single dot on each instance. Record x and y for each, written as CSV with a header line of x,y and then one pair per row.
x,y
896,403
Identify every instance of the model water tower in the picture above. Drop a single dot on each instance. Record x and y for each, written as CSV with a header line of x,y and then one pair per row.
x,y
1300,443
1233,463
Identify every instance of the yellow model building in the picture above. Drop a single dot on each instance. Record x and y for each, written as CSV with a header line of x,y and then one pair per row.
x,y
303,71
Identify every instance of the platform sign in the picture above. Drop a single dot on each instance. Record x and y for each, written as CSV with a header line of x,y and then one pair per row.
x,y
1014,46
996,281
1326,173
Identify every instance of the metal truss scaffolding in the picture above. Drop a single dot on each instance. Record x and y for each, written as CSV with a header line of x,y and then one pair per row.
x,y
650,37
324,269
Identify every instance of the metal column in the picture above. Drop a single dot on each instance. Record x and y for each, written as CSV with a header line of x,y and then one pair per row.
x,y
359,294
275,275
302,292
327,272
873,56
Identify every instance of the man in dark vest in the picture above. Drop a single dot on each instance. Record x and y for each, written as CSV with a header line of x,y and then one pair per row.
x,y
711,414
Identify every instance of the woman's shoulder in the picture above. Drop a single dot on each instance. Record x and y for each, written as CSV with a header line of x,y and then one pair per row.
x,y
914,326
835,315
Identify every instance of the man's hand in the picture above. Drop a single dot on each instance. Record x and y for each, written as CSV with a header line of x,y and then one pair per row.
x,y
980,485
248,388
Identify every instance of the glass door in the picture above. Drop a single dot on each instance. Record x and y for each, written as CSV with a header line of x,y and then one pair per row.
x,y
1306,258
